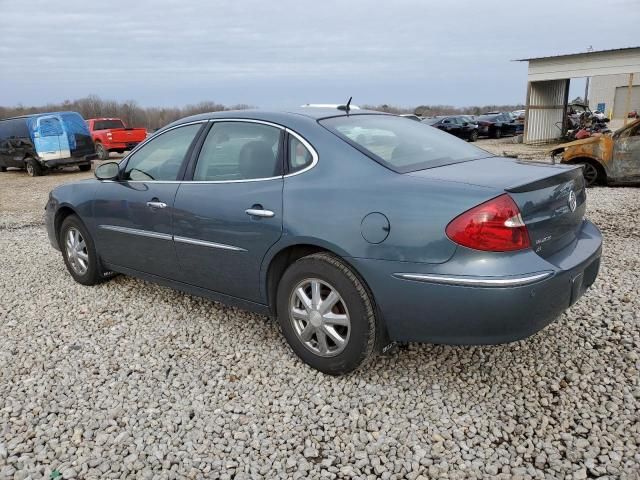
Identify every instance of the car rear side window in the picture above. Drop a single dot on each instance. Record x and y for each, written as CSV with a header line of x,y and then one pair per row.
x,y
162,156
239,151
299,155
400,145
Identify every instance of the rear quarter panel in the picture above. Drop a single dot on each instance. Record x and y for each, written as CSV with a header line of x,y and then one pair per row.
x,y
327,204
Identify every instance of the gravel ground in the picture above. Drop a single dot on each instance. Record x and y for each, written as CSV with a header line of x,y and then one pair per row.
x,y
132,380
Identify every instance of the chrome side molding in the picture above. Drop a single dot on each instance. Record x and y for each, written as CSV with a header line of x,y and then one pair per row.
x,y
203,243
166,236
135,231
475,281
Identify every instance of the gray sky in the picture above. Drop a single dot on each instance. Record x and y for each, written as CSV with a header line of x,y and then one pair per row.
x,y
289,52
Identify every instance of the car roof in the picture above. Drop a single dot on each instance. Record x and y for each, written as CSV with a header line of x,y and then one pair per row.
x,y
38,115
277,116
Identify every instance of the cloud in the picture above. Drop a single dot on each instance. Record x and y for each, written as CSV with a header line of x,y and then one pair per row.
x,y
291,51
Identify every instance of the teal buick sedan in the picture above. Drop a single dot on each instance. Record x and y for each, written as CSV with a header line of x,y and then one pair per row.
x,y
355,229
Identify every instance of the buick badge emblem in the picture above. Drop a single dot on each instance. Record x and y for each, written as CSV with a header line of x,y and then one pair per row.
x,y
573,202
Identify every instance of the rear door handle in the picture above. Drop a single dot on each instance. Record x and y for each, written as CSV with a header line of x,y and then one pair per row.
x,y
156,205
256,212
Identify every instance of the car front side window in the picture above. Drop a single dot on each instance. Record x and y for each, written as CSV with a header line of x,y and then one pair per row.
x,y
161,157
239,151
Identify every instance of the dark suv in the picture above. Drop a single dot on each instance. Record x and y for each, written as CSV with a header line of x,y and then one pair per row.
x,y
458,125
43,141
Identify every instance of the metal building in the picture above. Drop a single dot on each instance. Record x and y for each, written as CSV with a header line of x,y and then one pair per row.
x,y
548,86
608,93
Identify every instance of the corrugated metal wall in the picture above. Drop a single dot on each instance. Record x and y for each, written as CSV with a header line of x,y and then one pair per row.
x,y
545,110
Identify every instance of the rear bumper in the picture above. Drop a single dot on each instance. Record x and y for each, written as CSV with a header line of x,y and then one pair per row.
x,y
458,308
61,162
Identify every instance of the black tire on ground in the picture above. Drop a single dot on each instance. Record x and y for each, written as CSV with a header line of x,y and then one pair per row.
x,y
93,274
33,168
593,175
3,169
363,330
497,133
85,167
103,153
474,136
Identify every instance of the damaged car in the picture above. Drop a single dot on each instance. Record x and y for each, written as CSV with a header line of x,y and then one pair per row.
x,y
606,159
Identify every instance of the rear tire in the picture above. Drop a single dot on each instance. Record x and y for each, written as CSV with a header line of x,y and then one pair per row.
x,y
474,136
334,341
84,168
497,133
3,169
78,252
33,168
103,153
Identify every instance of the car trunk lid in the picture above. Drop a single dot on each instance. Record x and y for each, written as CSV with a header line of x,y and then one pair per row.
x,y
551,198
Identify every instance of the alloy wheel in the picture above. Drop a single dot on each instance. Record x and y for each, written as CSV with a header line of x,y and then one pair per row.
x,y
590,173
76,249
319,317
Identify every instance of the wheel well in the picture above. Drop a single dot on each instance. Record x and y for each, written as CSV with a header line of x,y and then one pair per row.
x,y
61,214
287,256
602,174
280,263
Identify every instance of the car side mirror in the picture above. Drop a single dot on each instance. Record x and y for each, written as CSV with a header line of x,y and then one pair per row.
x,y
107,171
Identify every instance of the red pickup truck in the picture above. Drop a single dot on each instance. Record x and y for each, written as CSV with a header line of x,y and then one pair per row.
x,y
112,135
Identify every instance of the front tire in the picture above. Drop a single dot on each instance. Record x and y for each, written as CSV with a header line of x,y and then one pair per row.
x,y
326,314
84,168
78,252
474,136
497,133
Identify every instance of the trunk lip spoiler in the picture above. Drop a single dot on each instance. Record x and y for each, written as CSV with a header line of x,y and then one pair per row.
x,y
567,175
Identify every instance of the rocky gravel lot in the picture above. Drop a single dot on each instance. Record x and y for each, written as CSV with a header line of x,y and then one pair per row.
x,y
132,380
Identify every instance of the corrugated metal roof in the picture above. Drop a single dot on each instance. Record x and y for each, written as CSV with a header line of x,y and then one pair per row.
x,y
575,54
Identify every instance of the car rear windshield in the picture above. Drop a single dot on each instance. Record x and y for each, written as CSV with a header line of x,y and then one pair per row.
x,y
400,144
107,124
431,121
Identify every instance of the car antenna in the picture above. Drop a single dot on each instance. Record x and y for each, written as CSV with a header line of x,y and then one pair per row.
x,y
346,107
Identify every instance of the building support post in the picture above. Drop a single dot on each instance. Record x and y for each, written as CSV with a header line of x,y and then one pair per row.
x,y
565,116
627,107
526,113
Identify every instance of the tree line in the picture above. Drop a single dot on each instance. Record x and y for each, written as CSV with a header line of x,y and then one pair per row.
x,y
153,118
133,114
433,110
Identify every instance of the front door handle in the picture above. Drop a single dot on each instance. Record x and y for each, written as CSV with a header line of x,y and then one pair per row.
x,y
156,205
257,212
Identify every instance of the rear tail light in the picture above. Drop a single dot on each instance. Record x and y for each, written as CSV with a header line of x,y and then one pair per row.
x,y
493,226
